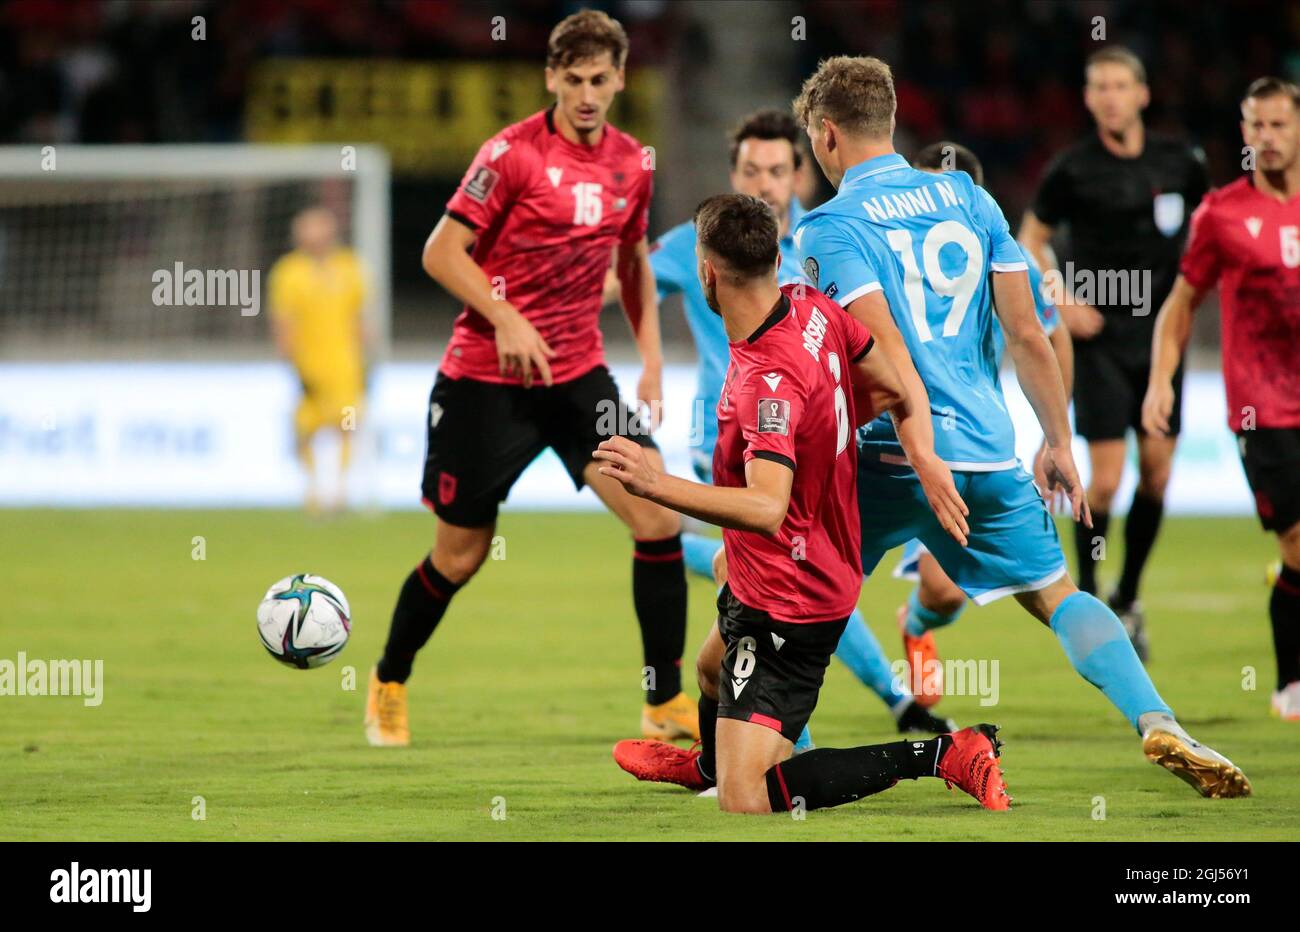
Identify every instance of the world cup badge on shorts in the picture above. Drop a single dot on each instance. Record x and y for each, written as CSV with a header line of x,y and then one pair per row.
x,y
446,488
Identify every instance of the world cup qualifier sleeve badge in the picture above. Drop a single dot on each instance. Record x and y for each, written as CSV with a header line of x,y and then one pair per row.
x,y
774,416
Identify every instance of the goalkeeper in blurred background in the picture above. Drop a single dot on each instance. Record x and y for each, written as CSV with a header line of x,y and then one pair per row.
x,y
318,294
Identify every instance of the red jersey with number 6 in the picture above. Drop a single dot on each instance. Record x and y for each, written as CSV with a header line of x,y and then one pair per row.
x,y
1249,243
548,213
787,399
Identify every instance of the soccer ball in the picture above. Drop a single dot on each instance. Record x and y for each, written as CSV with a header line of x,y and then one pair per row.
x,y
304,621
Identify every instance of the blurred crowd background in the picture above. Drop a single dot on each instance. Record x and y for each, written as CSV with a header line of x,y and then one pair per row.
x,y
1002,76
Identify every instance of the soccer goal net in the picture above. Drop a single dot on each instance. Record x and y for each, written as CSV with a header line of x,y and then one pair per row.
x,y
152,252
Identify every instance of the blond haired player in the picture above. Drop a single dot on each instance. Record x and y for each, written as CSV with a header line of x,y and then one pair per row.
x,y
318,295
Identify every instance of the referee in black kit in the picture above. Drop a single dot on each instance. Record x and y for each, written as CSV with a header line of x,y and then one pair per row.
x,y
1125,197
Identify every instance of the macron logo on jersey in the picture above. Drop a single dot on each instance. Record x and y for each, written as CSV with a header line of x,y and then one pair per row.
x,y
499,149
1254,225
814,333
554,174
772,380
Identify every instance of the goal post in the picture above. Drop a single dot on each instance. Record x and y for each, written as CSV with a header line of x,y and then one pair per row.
x,y
84,229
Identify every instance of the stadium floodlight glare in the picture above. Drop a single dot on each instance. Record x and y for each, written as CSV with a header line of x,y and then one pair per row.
x,y
85,229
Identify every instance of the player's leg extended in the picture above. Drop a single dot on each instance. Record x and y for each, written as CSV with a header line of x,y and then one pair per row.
x,y
457,554
1098,648
1284,612
1107,468
659,597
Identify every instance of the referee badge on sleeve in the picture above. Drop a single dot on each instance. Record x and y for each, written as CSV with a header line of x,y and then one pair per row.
x,y
774,416
1169,213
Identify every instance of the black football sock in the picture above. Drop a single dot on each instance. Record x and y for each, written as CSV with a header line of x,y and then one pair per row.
x,y
420,606
1284,609
1083,537
707,761
833,776
659,595
1140,529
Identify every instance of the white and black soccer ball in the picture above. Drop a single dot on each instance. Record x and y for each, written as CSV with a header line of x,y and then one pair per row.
x,y
304,621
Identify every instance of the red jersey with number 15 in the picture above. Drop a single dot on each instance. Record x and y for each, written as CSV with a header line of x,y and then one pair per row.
x,y
1249,242
787,398
548,213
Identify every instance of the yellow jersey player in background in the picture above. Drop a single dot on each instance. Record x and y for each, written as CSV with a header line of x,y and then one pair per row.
x,y
318,297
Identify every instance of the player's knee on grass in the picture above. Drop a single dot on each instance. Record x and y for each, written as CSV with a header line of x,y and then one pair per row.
x,y
744,795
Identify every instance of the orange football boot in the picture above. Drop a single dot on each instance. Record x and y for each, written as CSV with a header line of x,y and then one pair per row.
x,y
924,678
971,764
661,762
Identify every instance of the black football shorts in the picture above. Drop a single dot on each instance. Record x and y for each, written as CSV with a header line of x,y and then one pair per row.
x,y
1271,458
1108,393
772,670
482,435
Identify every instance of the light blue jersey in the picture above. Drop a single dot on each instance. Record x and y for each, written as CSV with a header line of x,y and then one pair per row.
x,y
930,243
673,259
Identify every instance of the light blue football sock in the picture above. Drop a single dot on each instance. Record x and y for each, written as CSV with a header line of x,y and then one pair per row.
x,y
698,552
860,652
921,619
805,741
1094,640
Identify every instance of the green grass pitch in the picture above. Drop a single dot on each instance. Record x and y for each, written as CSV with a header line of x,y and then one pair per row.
x,y
533,676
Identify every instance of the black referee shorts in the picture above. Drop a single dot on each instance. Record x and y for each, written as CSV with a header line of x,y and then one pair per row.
x,y
1108,393
772,670
482,435
1271,458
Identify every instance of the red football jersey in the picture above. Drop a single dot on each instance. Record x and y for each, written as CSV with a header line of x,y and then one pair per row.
x,y
548,213
1249,243
787,398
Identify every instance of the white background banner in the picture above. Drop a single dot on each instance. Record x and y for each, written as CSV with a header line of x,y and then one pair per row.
x,y
197,435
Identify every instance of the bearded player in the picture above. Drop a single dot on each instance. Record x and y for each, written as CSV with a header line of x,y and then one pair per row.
x,y
784,470
1246,238
765,162
525,243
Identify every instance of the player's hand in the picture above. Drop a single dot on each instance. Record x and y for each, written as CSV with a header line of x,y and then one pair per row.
x,y
1062,476
650,394
1053,497
1082,320
520,349
1157,406
626,461
947,505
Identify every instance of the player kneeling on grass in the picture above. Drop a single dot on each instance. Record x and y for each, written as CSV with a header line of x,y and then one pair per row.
x,y
786,497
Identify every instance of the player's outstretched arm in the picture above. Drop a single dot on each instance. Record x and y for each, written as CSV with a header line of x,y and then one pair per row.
x,y
760,506
446,259
640,299
1084,320
1173,327
1040,377
911,415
